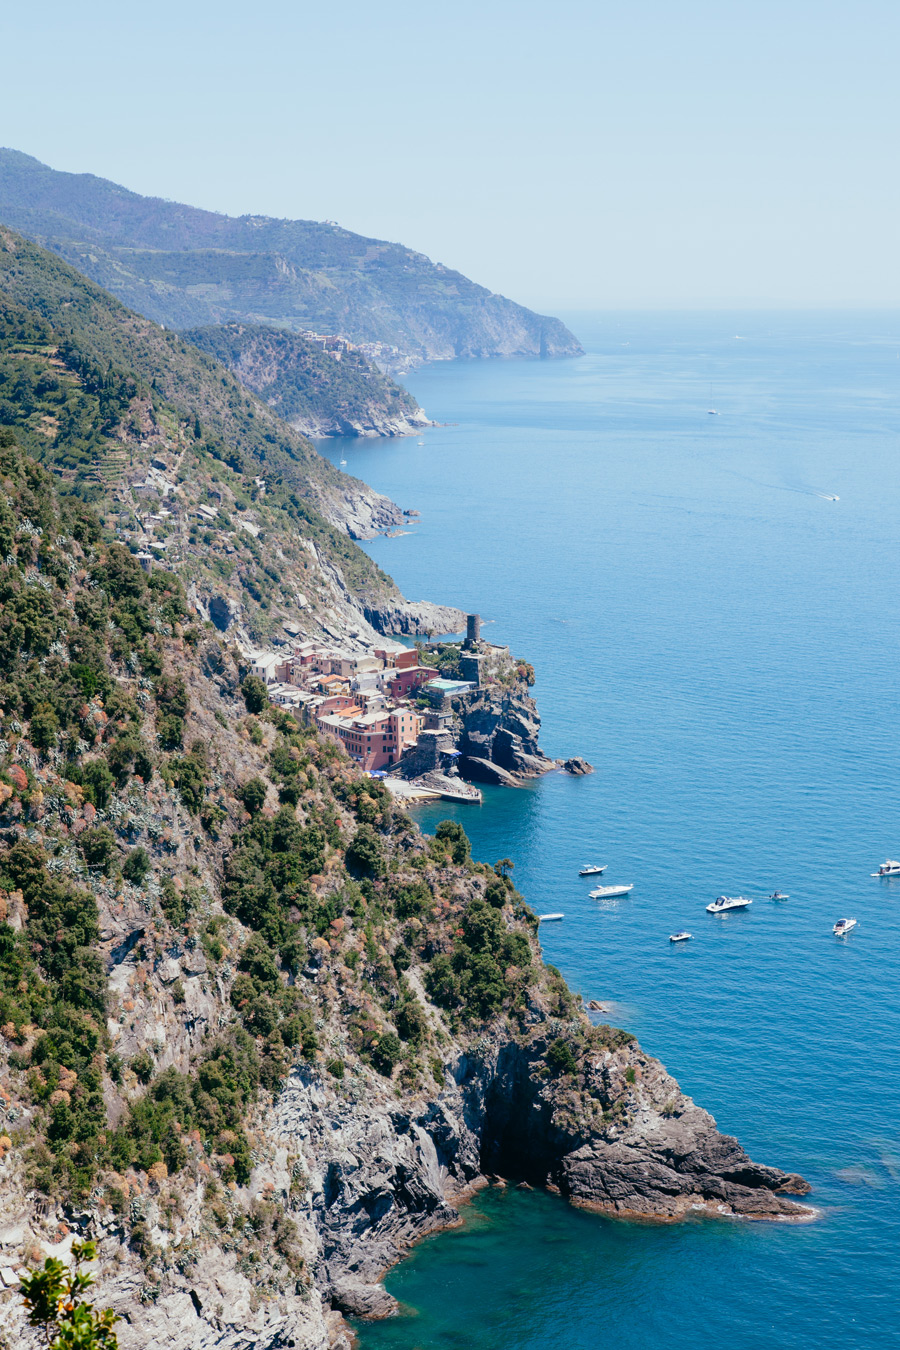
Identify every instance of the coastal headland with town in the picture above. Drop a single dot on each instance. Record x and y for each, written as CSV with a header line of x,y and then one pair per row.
x,y
430,720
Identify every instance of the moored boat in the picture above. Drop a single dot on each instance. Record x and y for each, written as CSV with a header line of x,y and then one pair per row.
x,y
724,902
550,918
682,936
609,892
592,870
843,926
891,868
779,895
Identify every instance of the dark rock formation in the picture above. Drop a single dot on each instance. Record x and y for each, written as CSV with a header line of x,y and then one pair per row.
x,y
661,1157
484,771
578,766
383,1176
500,728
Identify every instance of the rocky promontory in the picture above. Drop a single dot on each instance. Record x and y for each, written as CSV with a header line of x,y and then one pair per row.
x,y
500,726
321,391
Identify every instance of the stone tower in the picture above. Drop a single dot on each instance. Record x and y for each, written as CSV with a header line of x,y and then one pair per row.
x,y
473,629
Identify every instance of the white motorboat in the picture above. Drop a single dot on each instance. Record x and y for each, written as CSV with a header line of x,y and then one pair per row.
x,y
724,902
891,868
592,870
779,895
549,918
683,936
609,892
843,926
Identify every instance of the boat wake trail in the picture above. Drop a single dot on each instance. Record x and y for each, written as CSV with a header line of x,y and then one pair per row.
x,y
804,489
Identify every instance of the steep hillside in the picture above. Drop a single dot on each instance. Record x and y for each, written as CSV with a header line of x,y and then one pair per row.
x,y
198,392
188,268
155,430
319,392
257,1033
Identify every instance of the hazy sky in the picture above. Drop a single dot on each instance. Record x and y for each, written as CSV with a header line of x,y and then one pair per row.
x,y
568,154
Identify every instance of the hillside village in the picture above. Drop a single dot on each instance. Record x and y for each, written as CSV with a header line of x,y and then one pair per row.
x,y
394,715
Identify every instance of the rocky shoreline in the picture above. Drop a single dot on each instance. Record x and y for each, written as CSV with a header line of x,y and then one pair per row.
x,y
364,1173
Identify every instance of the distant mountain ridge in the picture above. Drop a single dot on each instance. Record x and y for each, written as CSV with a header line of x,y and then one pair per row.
x,y
186,268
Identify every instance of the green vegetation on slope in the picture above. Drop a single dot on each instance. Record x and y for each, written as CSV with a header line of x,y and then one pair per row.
x,y
94,391
305,384
170,373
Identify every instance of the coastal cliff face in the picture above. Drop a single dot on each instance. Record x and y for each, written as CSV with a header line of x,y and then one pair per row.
x,y
257,1032
499,737
318,392
414,618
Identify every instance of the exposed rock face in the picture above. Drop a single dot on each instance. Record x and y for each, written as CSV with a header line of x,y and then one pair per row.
x,y
484,771
317,394
353,506
385,1173
414,618
500,728
578,766
661,1157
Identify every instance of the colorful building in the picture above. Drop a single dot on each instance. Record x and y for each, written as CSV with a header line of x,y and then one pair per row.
x,y
375,740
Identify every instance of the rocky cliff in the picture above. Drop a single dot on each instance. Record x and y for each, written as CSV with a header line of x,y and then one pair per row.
x,y
320,393
500,727
257,1033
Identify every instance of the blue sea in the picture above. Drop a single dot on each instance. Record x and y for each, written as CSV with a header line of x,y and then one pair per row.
x,y
720,638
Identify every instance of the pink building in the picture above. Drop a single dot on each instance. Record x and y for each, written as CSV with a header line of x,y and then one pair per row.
x,y
374,740
407,681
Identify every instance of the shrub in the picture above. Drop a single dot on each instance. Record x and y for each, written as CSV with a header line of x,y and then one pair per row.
x,y
142,1066
410,1020
175,903
187,773
44,726
256,695
253,795
170,730
97,782
136,866
98,847
386,1053
363,853
442,982
559,1057
452,834
413,901
496,894
53,1297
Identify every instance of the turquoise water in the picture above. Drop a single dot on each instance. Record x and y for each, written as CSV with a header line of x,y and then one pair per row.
x,y
720,640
